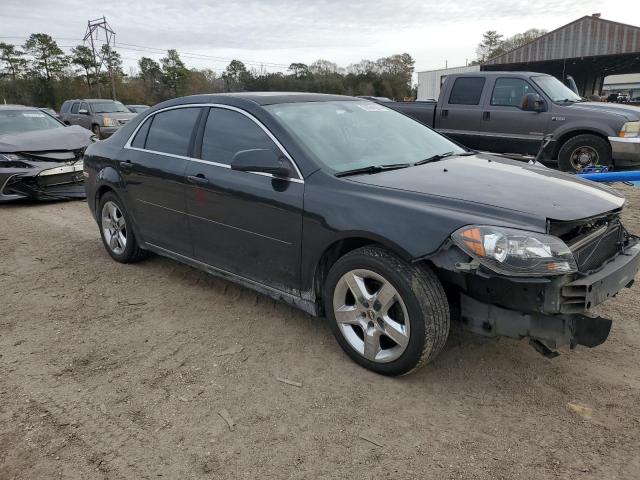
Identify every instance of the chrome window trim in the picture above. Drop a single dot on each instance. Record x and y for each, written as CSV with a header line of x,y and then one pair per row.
x,y
128,146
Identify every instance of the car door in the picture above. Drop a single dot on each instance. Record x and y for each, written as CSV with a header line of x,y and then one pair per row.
x,y
73,114
248,224
153,168
459,112
506,127
84,119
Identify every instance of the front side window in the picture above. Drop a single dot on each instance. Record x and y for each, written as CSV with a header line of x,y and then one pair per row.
x,y
84,106
75,107
345,135
555,89
20,121
170,131
466,91
510,92
228,132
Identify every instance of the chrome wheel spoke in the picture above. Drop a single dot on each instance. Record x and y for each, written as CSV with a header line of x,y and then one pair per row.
x,y
114,227
385,298
113,242
395,331
358,288
348,315
371,343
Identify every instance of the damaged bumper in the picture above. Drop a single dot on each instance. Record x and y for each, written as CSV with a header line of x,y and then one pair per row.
x,y
551,313
42,182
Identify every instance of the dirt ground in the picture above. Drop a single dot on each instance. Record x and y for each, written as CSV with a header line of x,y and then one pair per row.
x,y
113,371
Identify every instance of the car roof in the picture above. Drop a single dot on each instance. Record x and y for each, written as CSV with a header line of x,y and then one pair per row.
x,y
494,73
272,98
9,106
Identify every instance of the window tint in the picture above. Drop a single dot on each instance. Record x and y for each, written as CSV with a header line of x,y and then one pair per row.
x,y
84,106
141,136
171,131
509,92
75,107
466,91
227,133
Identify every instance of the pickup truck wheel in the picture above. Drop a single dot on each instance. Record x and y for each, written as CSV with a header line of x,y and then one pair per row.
x,y
583,151
116,232
388,315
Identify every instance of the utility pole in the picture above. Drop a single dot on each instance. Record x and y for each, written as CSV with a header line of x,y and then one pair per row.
x,y
95,29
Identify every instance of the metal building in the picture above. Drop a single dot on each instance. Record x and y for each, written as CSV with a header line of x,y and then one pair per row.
x,y
429,82
588,49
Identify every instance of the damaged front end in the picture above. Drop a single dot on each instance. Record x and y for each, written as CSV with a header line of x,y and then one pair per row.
x,y
591,260
42,175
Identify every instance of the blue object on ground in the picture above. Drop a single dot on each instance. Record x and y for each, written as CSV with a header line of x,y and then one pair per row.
x,y
630,176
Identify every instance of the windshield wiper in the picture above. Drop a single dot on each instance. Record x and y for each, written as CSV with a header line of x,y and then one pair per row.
x,y
372,169
440,156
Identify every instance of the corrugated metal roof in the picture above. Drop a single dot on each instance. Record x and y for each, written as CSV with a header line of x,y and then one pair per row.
x,y
585,37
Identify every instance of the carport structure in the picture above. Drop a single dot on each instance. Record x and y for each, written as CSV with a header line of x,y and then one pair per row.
x,y
588,49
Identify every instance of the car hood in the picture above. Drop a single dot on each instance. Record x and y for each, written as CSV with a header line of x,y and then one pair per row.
x,y
503,183
629,112
68,138
118,115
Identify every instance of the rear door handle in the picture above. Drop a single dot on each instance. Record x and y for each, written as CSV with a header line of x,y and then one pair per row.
x,y
486,115
199,179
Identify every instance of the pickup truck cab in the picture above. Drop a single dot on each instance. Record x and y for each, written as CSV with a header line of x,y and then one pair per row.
x,y
511,112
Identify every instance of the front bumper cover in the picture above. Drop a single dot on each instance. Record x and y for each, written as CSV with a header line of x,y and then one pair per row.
x,y
625,151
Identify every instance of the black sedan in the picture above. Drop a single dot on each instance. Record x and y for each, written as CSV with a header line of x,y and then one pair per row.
x,y
348,209
40,157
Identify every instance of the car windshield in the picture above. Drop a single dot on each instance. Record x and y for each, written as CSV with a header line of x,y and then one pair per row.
x,y
346,135
20,121
555,89
109,107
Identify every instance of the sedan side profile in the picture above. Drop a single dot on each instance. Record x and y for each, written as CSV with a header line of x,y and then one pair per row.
x,y
350,210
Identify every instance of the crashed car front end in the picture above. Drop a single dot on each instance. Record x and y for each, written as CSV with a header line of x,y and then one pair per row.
x,y
41,175
541,286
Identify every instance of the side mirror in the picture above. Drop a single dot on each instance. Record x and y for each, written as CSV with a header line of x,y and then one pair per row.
x,y
532,102
260,160
82,111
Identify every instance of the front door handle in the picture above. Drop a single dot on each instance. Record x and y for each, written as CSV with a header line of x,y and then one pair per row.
x,y
199,179
486,115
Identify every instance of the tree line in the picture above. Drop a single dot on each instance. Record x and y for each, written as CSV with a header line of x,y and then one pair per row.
x,y
40,73
494,44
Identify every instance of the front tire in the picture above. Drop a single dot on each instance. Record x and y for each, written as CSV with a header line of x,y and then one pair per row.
x,y
116,230
97,132
583,151
388,315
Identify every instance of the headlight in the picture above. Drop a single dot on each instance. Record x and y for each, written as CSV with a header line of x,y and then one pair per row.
x,y
630,130
516,252
109,122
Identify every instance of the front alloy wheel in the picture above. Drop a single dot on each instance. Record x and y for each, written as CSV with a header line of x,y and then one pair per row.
x,y
371,315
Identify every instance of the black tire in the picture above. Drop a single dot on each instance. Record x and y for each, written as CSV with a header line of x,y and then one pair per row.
x,y
132,252
96,131
590,143
422,294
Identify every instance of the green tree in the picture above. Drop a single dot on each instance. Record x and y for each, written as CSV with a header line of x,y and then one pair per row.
x,y
520,39
236,76
299,70
151,76
82,56
11,60
174,73
48,61
489,46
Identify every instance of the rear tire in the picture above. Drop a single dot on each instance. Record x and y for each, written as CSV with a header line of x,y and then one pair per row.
x,y
393,316
582,151
116,230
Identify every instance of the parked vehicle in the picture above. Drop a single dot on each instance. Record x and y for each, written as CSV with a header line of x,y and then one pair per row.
x,y
39,157
510,112
349,209
137,108
102,117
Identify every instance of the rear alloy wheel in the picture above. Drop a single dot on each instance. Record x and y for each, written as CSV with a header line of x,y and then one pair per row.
x,y
116,231
583,151
388,315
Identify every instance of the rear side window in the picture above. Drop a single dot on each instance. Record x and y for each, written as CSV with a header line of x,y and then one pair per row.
x,y
510,92
75,107
228,132
141,137
170,131
466,91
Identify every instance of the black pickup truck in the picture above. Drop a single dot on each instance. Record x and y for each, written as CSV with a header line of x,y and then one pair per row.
x,y
511,112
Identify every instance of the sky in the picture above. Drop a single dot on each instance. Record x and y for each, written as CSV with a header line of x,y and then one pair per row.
x,y
271,34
